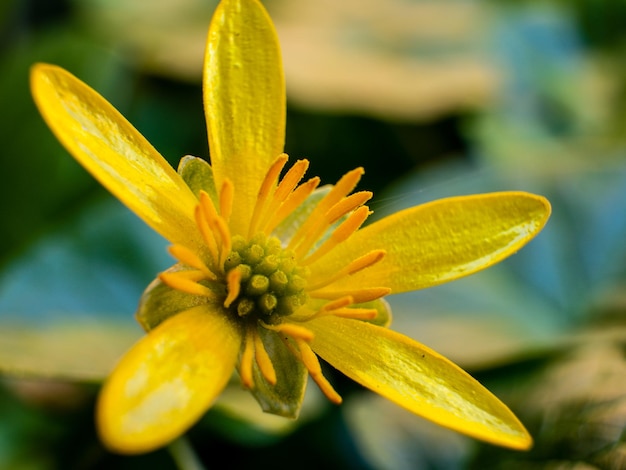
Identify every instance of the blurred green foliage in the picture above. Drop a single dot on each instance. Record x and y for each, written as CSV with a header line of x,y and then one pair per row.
x,y
544,330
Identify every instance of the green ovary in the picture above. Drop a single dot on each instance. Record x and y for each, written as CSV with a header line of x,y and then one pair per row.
x,y
272,283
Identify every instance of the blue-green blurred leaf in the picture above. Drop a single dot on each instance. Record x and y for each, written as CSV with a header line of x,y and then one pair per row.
x,y
67,303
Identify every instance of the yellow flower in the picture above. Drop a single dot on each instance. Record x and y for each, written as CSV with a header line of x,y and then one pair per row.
x,y
273,273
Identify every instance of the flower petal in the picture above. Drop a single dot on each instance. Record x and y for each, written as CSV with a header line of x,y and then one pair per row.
x,y
167,381
114,152
244,99
439,241
416,378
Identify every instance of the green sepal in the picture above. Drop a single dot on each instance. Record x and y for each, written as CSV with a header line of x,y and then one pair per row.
x,y
159,302
284,398
198,175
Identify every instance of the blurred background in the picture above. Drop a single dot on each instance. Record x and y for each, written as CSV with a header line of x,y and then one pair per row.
x,y
434,98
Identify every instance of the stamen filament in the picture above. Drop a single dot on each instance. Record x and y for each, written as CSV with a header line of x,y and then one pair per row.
x,y
365,261
218,226
340,234
289,181
206,232
337,303
226,244
354,313
191,274
263,359
188,257
289,329
233,285
183,283
245,363
360,295
266,186
316,223
347,205
297,197
312,364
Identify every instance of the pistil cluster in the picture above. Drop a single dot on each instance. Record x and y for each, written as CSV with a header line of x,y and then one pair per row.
x,y
271,282
264,282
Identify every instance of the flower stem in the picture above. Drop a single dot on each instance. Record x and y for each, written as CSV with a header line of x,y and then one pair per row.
x,y
184,455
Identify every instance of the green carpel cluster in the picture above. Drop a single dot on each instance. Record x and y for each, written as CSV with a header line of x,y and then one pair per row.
x,y
272,284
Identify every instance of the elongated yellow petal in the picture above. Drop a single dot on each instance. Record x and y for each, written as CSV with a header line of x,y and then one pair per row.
x,y
115,153
244,99
439,241
416,378
167,380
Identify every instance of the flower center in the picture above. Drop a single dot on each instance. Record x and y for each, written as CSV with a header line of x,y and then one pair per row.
x,y
271,284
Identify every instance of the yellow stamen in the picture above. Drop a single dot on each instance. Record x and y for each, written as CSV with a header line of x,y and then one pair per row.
x,y
294,331
226,244
316,223
266,186
365,261
233,285
354,313
289,181
191,274
337,303
339,308
245,363
347,205
226,199
263,359
217,225
206,232
188,257
311,362
184,284
360,295
294,200
340,234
